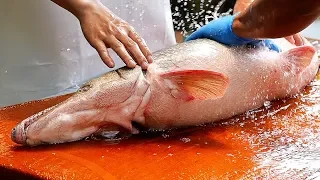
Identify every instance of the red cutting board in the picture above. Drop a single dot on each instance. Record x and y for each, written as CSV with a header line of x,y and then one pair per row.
x,y
277,142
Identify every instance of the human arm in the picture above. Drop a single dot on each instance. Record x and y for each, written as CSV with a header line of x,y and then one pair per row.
x,y
262,19
275,18
103,30
242,5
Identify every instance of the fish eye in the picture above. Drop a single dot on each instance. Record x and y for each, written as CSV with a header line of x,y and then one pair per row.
x,y
84,88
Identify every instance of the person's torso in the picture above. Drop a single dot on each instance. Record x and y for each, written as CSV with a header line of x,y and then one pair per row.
x,y
43,51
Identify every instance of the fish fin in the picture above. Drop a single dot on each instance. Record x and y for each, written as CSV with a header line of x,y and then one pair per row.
x,y
196,84
301,57
128,126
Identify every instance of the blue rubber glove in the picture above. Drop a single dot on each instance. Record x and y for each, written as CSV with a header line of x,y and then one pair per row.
x,y
221,31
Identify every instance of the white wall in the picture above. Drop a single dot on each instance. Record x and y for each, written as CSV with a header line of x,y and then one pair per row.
x,y
313,31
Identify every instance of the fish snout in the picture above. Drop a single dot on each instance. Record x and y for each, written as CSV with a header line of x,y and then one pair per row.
x,y
18,134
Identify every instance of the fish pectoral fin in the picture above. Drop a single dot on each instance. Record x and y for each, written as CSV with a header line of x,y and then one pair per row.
x,y
299,57
196,84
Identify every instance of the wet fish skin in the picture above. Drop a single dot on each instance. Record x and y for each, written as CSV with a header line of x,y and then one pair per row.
x,y
188,84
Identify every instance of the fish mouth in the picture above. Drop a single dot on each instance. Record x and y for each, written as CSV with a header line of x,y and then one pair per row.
x,y
18,134
86,111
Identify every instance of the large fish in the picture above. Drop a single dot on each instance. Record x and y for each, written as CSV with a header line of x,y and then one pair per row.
x,y
192,83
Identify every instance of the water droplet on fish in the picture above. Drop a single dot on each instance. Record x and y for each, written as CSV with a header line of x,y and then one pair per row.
x,y
165,135
185,140
110,134
170,154
267,104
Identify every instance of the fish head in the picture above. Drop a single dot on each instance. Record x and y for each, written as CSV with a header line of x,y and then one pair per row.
x,y
111,99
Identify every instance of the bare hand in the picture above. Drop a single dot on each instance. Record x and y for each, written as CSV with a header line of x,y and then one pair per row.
x,y
295,39
103,30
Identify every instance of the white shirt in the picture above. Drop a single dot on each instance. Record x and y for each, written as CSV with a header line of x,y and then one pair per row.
x,y
43,51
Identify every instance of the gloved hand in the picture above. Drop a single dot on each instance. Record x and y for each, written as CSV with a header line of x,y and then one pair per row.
x,y
221,31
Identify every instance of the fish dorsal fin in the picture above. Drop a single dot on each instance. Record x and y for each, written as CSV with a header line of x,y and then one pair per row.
x,y
300,57
196,84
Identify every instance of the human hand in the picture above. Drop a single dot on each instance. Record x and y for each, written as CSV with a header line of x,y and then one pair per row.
x,y
295,39
103,30
221,30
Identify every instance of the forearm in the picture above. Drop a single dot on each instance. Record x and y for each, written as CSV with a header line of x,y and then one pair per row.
x,y
241,5
275,18
76,7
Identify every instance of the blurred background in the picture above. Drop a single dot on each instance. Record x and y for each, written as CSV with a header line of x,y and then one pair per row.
x,y
188,15
313,31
